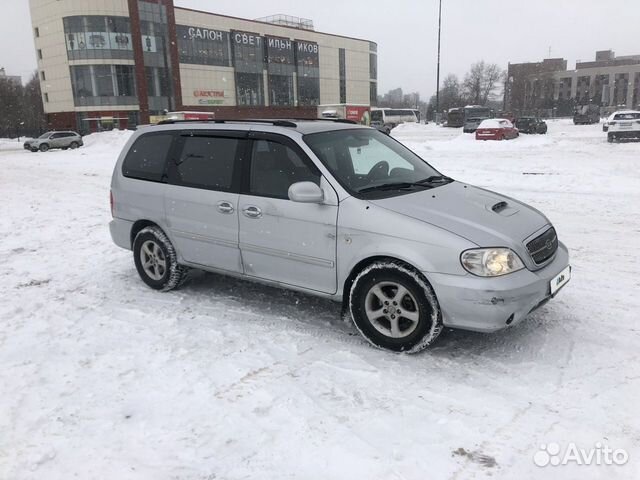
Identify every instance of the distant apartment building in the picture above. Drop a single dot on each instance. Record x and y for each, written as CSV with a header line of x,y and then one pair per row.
x,y
10,78
120,63
548,87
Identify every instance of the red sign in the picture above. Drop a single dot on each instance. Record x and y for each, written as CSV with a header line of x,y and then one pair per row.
x,y
208,93
358,114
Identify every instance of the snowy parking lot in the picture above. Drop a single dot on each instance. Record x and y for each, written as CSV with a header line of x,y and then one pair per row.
x,y
104,378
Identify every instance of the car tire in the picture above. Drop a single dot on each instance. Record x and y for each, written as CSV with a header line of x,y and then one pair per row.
x,y
74,145
44,147
611,137
385,285
156,260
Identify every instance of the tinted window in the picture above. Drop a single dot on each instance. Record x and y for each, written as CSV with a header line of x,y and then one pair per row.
x,y
147,158
275,167
207,162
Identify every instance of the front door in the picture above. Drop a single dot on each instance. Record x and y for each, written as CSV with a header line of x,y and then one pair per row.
x,y
281,240
201,201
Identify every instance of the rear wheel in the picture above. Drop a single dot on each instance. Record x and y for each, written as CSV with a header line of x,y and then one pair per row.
x,y
44,147
394,308
156,260
73,145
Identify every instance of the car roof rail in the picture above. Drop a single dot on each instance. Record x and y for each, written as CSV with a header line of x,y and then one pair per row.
x,y
335,120
276,122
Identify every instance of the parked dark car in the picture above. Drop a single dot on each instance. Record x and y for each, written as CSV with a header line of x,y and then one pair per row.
x,y
531,125
381,126
586,115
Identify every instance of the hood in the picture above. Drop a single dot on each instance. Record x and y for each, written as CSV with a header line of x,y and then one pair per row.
x,y
483,217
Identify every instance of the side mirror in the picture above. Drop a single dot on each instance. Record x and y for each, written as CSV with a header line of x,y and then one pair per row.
x,y
306,192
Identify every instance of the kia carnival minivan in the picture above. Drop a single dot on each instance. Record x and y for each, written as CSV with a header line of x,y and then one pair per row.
x,y
337,210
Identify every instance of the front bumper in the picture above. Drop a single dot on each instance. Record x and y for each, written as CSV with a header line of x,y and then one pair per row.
x,y
491,304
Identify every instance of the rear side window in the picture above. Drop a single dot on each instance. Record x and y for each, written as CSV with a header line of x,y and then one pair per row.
x,y
206,162
147,158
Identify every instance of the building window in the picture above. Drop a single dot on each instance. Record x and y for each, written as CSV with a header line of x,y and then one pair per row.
x,y
95,85
91,37
343,75
373,66
308,68
39,54
46,97
280,69
248,60
373,93
250,89
36,31
621,89
203,46
43,76
636,92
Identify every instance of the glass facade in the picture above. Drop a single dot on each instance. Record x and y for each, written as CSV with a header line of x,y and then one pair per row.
x,y
308,69
373,66
249,63
636,92
601,90
157,59
582,91
621,89
343,75
95,37
281,65
103,85
202,46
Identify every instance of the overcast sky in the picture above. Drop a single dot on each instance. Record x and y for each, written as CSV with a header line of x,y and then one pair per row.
x,y
498,31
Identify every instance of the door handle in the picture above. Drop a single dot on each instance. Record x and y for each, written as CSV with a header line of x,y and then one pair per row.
x,y
225,207
252,211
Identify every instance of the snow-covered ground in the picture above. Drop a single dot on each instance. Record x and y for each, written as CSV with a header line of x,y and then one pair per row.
x,y
103,378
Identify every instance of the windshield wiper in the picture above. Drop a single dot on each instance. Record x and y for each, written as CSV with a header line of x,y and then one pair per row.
x,y
435,179
394,186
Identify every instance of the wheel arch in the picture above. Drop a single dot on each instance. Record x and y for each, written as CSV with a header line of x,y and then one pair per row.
x,y
139,225
365,262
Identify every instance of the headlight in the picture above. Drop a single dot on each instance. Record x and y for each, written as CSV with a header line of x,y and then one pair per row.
x,y
491,262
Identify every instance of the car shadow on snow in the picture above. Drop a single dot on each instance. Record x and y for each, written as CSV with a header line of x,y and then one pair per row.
x,y
524,338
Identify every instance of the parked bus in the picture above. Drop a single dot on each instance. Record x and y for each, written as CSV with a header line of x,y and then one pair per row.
x,y
455,117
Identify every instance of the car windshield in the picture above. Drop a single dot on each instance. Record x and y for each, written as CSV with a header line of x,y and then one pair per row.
x,y
45,135
627,116
368,162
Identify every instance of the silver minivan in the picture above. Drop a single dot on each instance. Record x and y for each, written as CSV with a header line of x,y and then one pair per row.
x,y
336,210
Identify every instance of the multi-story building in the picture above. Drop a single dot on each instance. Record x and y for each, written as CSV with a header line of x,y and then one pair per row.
x,y
10,78
610,82
105,63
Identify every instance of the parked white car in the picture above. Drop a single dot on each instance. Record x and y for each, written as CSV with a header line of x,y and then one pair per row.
x,y
625,124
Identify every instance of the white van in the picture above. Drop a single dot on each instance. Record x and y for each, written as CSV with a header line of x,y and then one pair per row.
x,y
393,116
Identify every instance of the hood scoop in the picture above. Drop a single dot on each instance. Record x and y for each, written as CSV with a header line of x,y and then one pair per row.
x,y
502,208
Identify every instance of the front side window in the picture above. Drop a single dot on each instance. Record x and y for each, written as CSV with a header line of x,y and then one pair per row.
x,y
206,162
275,167
368,162
147,158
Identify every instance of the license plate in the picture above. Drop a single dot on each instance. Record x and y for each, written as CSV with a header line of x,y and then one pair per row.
x,y
625,125
560,280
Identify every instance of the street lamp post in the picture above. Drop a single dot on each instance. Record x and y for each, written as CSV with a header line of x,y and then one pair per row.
x,y
438,69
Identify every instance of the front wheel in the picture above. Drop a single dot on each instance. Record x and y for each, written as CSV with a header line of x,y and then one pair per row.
x,y
611,137
156,260
395,308
44,147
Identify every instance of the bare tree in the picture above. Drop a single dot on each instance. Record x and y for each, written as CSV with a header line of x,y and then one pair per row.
x,y
481,81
